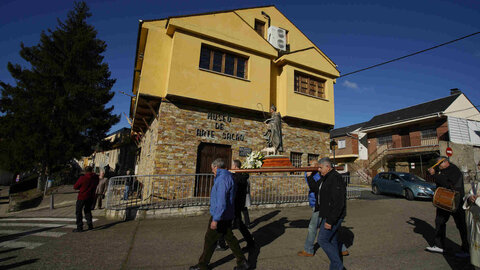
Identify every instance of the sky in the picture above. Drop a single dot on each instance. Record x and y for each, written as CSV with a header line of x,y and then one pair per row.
x,y
354,34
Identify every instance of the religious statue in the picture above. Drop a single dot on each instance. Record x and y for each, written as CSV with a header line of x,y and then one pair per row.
x,y
273,135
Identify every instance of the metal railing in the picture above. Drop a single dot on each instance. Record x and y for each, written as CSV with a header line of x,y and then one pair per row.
x,y
184,190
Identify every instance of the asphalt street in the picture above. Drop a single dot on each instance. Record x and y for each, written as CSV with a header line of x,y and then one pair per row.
x,y
381,233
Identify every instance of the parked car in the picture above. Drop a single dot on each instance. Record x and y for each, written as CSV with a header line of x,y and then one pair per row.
x,y
407,185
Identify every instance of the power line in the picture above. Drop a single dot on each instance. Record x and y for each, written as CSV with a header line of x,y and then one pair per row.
x,y
399,58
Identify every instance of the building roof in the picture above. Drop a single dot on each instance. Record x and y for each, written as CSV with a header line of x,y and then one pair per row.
x,y
421,110
344,130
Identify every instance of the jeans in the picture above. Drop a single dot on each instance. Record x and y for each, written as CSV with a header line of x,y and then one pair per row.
x,y
125,194
312,232
329,243
315,220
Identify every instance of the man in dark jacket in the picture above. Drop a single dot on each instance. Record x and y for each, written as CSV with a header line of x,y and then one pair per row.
x,y
87,185
332,201
241,181
449,176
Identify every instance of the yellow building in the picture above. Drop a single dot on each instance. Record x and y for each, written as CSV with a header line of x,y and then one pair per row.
x,y
204,83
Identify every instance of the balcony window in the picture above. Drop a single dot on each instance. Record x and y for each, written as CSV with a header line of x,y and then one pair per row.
x,y
308,85
223,62
385,140
429,137
260,27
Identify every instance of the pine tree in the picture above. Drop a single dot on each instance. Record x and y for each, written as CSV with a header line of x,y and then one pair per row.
x,y
57,109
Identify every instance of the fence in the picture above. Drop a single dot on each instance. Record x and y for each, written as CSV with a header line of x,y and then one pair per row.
x,y
184,190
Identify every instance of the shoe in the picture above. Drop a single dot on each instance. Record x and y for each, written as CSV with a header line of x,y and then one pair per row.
x,y
434,249
345,253
194,267
220,248
251,246
303,253
242,266
90,227
78,230
462,254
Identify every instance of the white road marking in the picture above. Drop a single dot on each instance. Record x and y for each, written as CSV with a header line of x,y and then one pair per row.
x,y
29,233
44,219
20,244
41,225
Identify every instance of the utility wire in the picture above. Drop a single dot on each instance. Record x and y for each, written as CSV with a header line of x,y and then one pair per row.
x,y
412,54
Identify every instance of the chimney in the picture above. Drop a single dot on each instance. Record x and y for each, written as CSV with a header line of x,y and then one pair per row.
x,y
455,91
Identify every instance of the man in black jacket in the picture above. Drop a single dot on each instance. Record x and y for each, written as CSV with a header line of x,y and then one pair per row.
x,y
241,180
449,176
332,201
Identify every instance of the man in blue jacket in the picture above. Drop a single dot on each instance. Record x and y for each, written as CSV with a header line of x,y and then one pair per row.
x,y
222,210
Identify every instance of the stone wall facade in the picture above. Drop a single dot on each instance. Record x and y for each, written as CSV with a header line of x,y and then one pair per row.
x,y
170,145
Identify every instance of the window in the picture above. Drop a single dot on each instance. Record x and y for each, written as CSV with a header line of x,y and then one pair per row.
x,y
429,133
223,62
260,27
312,157
387,139
305,84
296,159
341,144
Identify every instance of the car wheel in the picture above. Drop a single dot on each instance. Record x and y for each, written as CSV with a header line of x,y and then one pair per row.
x,y
375,190
409,194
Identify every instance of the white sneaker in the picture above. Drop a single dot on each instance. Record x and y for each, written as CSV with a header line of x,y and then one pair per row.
x,y
434,249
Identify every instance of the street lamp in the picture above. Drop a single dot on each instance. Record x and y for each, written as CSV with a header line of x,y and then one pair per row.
x,y
333,144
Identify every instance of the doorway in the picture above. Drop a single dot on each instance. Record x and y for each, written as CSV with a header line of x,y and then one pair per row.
x,y
206,154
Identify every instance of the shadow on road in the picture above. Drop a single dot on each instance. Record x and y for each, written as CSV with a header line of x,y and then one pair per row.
x,y
10,250
428,232
109,225
18,264
263,236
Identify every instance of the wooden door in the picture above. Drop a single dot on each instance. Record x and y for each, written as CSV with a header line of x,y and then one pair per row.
x,y
405,137
206,154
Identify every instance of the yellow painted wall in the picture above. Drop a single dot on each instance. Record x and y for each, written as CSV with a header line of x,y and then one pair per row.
x,y
188,80
302,106
156,61
296,38
172,54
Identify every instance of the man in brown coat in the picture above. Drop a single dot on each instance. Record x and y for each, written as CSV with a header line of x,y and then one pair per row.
x,y
87,185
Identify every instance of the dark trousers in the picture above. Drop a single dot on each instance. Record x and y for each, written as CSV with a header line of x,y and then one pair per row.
x,y
243,229
99,198
245,216
224,228
86,206
441,227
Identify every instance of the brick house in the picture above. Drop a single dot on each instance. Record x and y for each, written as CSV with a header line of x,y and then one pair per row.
x,y
408,139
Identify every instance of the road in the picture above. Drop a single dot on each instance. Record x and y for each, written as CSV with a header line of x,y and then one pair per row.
x,y
381,233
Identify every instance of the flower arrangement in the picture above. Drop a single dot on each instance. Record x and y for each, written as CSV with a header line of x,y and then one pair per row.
x,y
254,160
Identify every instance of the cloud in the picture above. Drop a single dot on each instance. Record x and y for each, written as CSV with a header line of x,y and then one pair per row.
x,y
350,84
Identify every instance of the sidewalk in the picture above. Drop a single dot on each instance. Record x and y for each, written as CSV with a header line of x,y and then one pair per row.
x,y
64,197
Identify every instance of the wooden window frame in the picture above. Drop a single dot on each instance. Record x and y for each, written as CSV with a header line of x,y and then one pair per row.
x,y
224,53
263,23
317,83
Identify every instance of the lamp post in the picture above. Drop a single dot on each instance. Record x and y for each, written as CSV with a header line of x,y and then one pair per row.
x,y
333,144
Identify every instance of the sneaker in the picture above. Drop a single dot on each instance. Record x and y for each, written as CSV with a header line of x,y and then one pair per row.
x,y
78,230
194,267
303,253
462,254
345,253
434,249
242,266
90,227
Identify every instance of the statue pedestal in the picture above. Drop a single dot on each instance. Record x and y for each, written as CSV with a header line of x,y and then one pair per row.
x,y
276,161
